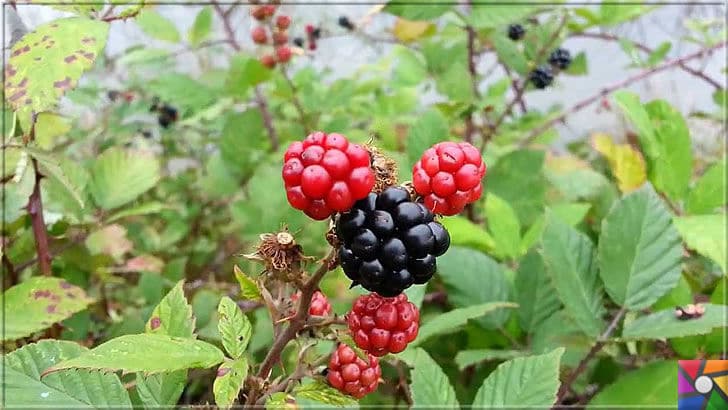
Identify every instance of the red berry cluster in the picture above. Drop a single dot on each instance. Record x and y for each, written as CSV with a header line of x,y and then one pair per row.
x,y
351,374
449,176
324,174
320,306
383,325
279,34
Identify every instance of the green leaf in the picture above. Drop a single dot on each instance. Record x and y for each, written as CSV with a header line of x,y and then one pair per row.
x,y
230,379
248,288
534,292
430,385
464,271
630,104
173,315
664,324
49,126
48,61
453,320
639,250
651,385
89,387
50,166
484,15
659,53
509,55
706,235
243,138
245,72
517,179
709,192
503,225
148,208
420,11
147,352
578,65
157,26
118,177
450,83
234,327
64,190
19,391
201,28
429,129
39,302
162,389
522,382
468,234
321,392
466,358
410,68
183,91
569,258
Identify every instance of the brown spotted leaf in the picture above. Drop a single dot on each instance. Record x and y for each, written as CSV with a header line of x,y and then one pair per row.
x,y
38,303
47,62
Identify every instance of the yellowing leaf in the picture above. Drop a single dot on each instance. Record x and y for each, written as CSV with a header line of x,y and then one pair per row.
x,y
48,126
408,30
627,164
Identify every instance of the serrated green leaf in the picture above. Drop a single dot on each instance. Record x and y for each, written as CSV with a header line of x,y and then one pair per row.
x,y
419,11
186,93
143,209
709,192
535,294
484,15
429,129
152,353
51,166
510,56
49,126
89,387
248,288
234,327
664,324
202,26
118,177
651,385
410,68
639,250
503,225
578,65
173,315
19,390
162,389
518,180
243,139
244,73
465,233
323,393
230,379
466,358
48,61
525,381
464,271
38,303
706,235
569,258
453,320
157,26
430,385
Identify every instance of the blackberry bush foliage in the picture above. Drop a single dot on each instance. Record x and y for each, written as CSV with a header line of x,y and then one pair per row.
x,y
245,219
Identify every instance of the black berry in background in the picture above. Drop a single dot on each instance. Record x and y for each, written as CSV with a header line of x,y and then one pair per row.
x,y
390,242
346,23
167,115
298,42
560,58
516,32
541,77
316,33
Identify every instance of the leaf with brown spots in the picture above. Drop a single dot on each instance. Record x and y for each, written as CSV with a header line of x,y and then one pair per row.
x,y
47,62
39,302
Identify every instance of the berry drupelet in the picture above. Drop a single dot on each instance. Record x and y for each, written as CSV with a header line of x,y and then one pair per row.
x,y
389,242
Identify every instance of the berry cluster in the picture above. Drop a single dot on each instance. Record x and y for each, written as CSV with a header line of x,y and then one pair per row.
x,y
383,325
278,34
351,374
448,177
389,242
166,114
543,76
326,174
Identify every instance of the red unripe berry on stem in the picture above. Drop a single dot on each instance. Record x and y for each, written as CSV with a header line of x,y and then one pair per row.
x,y
283,54
382,325
352,375
268,60
280,37
259,35
320,305
269,10
282,22
258,12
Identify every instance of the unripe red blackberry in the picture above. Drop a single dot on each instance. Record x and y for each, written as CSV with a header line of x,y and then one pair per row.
x,y
258,12
259,35
383,325
268,60
283,54
352,375
280,37
320,305
448,177
282,22
324,174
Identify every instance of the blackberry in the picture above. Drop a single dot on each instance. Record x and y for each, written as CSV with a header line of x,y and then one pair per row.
x,y
166,115
298,41
541,77
346,23
560,58
390,242
516,32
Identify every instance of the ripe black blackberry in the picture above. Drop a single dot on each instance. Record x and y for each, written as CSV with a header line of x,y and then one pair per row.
x,y
346,23
560,58
390,242
516,32
298,41
541,77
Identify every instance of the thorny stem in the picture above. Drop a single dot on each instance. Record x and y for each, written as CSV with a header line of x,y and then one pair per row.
x,y
616,86
295,325
40,233
402,383
596,348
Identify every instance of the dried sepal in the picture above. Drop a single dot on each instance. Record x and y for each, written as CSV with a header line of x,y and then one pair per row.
x,y
281,255
385,169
